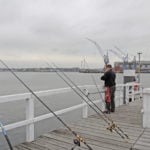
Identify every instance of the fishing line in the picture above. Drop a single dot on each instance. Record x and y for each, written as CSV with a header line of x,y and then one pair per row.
x,y
132,147
95,84
104,102
111,125
79,138
6,136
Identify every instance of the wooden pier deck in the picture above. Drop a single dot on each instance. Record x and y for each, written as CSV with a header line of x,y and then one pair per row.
x,y
128,117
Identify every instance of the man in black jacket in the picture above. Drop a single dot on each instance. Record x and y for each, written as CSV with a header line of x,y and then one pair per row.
x,y
109,78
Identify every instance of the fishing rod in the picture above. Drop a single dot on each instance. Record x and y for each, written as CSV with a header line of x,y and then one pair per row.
x,y
109,121
78,137
111,125
103,102
6,136
106,61
132,146
77,92
95,84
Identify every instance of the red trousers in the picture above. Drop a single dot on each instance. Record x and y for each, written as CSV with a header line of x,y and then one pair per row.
x,y
107,95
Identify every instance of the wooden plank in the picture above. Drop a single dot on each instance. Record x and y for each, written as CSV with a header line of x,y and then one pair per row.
x,y
91,141
92,137
128,117
105,133
141,147
121,124
69,140
99,126
53,144
143,143
58,140
34,146
101,129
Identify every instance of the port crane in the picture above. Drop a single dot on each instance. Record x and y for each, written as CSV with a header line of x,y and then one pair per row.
x,y
128,57
125,57
134,62
122,57
119,50
102,53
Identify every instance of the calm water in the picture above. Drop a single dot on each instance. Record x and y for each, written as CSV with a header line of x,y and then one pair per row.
x,y
15,111
43,81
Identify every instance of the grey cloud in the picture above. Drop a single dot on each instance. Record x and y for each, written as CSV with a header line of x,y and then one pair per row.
x,y
8,11
60,27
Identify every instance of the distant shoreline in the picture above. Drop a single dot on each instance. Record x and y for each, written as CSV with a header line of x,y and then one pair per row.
x,y
76,69
53,70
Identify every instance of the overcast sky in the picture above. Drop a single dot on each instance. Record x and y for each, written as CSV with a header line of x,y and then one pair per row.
x,y
31,30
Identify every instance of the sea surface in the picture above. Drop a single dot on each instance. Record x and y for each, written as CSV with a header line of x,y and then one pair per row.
x,y
38,81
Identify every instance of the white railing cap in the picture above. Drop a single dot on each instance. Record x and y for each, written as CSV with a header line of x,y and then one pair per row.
x,y
15,97
146,91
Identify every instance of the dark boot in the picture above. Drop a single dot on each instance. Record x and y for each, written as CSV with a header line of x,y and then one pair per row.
x,y
112,92
108,107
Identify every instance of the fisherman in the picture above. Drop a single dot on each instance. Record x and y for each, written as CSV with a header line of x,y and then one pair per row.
x,y
109,83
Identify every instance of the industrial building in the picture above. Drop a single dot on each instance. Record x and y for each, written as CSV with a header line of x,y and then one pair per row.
x,y
144,66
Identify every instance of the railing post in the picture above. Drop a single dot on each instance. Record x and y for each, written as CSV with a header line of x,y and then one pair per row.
x,y
30,116
133,92
85,110
141,90
85,107
146,108
120,96
127,93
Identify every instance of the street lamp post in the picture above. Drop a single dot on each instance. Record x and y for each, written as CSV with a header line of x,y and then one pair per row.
x,y
139,66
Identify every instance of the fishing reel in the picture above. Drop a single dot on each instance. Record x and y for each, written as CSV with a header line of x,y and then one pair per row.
x,y
111,127
76,143
86,92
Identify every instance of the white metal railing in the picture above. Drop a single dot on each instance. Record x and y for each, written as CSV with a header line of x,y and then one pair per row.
x,y
133,90
146,108
29,99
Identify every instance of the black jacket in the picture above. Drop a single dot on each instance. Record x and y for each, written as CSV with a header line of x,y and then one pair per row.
x,y
109,78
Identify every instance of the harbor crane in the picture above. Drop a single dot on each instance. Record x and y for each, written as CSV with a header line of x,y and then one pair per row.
x,y
129,57
102,53
122,57
117,54
125,58
119,50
